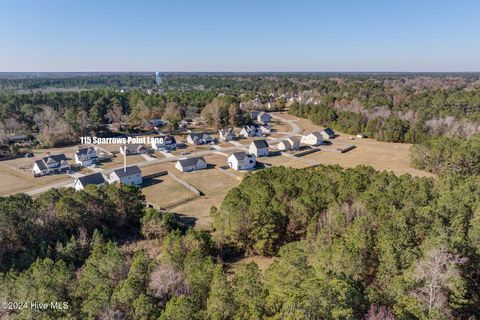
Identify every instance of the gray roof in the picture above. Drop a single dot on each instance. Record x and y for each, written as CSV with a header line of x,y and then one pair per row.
x,y
132,170
240,155
190,161
315,133
329,131
287,144
41,165
260,144
96,178
134,147
84,150
296,140
55,158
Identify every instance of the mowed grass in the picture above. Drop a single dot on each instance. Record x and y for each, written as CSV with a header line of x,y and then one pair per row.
x,y
283,161
16,176
388,156
164,191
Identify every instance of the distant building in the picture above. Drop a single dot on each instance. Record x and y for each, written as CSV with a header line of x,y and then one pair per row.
x,y
158,78
130,176
227,134
96,179
314,138
328,133
86,156
265,128
164,143
251,131
259,148
241,161
132,149
191,164
197,138
50,165
264,117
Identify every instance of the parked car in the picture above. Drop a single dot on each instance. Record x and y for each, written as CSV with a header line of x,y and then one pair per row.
x,y
184,153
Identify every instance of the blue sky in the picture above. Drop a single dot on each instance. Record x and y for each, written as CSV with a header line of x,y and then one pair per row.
x,y
239,35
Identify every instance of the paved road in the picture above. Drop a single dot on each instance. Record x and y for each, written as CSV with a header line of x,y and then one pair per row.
x,y
171,157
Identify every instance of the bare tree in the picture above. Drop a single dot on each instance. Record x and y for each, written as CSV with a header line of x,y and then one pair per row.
x,y
166,282
115,116
379,313
435,275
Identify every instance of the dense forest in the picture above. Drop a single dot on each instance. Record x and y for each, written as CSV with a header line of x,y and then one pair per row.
x,y
348,244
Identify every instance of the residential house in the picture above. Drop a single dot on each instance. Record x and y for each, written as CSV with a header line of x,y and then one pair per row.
x,y
289,144
227,134
95,179
251,131
164,143
254,114
133,148
284,145
197,138
241,161
86,156
129,176
51,164
259,148
328,133
295,142
191,164
265,128
264,117
312,139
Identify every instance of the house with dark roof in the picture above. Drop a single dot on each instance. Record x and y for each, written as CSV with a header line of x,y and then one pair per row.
x,y
259,148
241,161
50,165
164,143
197,138
265,128
227,134
314,138
95,179
251,131
86,156
191,164
328,133
130,176
133,148
264,117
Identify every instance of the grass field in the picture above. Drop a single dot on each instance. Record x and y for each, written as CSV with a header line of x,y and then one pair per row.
x,y
380,155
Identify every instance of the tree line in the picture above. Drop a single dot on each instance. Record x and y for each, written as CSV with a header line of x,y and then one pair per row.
x,y
348,244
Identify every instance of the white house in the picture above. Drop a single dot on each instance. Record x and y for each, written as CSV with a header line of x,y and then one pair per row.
x,y
241,161
129,176
265,128
197,138
133,148
227,134
328,133
86,156
164,143
295,142
284,145
250,131
191,164
96,179
51,164
259,148
264,117
312,139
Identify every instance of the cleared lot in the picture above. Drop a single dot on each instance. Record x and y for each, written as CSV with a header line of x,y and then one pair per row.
x,y
380,155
